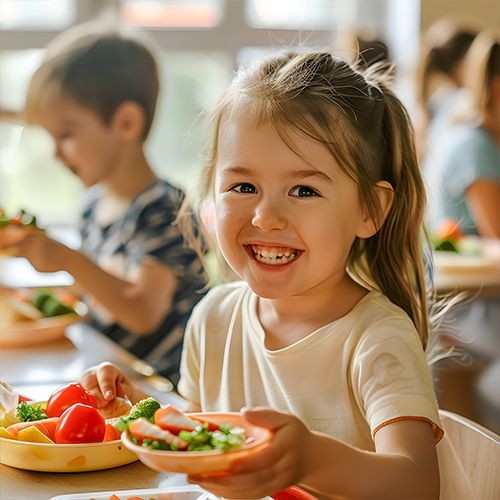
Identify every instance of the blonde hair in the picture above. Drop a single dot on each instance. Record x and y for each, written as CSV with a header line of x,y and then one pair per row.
x,y
368,132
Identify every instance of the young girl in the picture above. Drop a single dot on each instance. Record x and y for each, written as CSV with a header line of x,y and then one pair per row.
x,y
319,205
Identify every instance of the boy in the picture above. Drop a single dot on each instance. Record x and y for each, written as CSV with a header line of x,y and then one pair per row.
x,y
96,95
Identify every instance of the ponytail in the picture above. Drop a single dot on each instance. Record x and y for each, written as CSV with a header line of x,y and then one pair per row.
x,y
393,257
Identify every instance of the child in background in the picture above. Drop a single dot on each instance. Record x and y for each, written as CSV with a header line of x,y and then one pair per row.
x,y
319,204
96,93
440,79
463,169
463,176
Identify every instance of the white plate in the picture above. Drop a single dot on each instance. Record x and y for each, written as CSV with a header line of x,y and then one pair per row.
x,y
191,492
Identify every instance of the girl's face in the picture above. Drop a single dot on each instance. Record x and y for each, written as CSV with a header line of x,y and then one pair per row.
x,y
83,142
285,225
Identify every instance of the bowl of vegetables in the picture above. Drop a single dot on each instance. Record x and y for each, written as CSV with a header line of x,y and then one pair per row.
x,y
194,443
67,433
29,318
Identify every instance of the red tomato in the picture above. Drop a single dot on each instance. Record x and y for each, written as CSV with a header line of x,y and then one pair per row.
x,y
66,396
80,424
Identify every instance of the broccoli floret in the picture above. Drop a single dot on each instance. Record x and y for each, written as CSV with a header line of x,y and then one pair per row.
x,y
143,409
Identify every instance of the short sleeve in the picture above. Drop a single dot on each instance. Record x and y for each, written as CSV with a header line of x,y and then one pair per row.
x,y
158,236
474,157
390,376
189,386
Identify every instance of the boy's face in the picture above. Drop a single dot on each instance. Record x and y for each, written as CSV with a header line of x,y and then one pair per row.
x,y
86,146
284,224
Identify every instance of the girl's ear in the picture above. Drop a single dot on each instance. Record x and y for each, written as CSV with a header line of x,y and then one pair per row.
x,y
369,225
128,121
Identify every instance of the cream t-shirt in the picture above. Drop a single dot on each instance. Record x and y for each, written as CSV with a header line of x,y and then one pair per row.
x,y
346,379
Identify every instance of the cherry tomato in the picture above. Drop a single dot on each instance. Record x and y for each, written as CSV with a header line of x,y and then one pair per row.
x,y
66,396
80,424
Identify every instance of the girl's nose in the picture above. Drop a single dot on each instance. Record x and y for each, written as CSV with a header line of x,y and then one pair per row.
x,y
269,217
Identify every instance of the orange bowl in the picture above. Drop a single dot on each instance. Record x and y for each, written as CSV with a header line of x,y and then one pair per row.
x,y
203,462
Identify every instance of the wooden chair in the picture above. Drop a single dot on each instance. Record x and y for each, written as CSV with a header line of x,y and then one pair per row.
x,y
469,460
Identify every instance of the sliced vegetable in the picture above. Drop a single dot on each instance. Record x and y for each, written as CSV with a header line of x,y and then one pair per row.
x,y
4,433
80,424
171,419
46,426
33,435
142,428
111,433
65,396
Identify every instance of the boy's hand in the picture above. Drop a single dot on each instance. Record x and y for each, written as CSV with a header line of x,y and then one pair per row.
x,y
276,467
44,253
106,382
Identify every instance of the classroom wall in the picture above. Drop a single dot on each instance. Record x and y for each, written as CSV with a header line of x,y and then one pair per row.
x,y
478,13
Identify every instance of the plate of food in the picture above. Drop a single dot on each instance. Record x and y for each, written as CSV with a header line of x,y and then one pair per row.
x,y
29,318
67,433
193,443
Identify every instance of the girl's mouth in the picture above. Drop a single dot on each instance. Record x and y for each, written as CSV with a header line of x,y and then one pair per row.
x,y
274,256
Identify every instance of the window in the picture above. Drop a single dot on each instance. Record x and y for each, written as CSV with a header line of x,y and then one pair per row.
x,y
172,13
36,14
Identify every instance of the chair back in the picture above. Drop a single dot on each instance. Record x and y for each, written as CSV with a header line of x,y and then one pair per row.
x,y
469,460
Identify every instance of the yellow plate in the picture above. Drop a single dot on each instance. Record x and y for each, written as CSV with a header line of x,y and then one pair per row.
x,y
64,457
42,331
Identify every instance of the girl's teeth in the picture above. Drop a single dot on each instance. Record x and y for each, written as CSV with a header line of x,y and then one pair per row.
x,y
274,256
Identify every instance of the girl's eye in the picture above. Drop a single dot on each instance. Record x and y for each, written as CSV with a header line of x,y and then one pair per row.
x,y
303,192
244,188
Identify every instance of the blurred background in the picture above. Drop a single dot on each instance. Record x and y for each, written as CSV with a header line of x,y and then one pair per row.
x,y
199,43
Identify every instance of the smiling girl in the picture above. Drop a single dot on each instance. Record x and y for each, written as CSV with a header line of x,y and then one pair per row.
x,y
319,206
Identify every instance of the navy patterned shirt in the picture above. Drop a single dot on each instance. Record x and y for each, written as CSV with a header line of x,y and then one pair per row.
x,y
146,231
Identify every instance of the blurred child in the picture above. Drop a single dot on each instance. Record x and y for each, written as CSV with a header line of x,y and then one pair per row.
x,y
464,167
463,175
95,93
319,205
440,78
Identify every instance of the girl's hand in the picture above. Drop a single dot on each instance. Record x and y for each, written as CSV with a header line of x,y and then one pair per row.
x,y
276,467
44,253
107,382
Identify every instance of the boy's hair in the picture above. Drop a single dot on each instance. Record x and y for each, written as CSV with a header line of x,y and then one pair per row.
x,y
482,65
368,132
98,70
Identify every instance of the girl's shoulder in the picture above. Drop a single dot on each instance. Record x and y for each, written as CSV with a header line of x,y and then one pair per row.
x,y
377,318
221,300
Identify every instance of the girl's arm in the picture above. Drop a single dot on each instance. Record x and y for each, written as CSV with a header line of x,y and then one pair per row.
x,y
404,465
138,305
483,201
